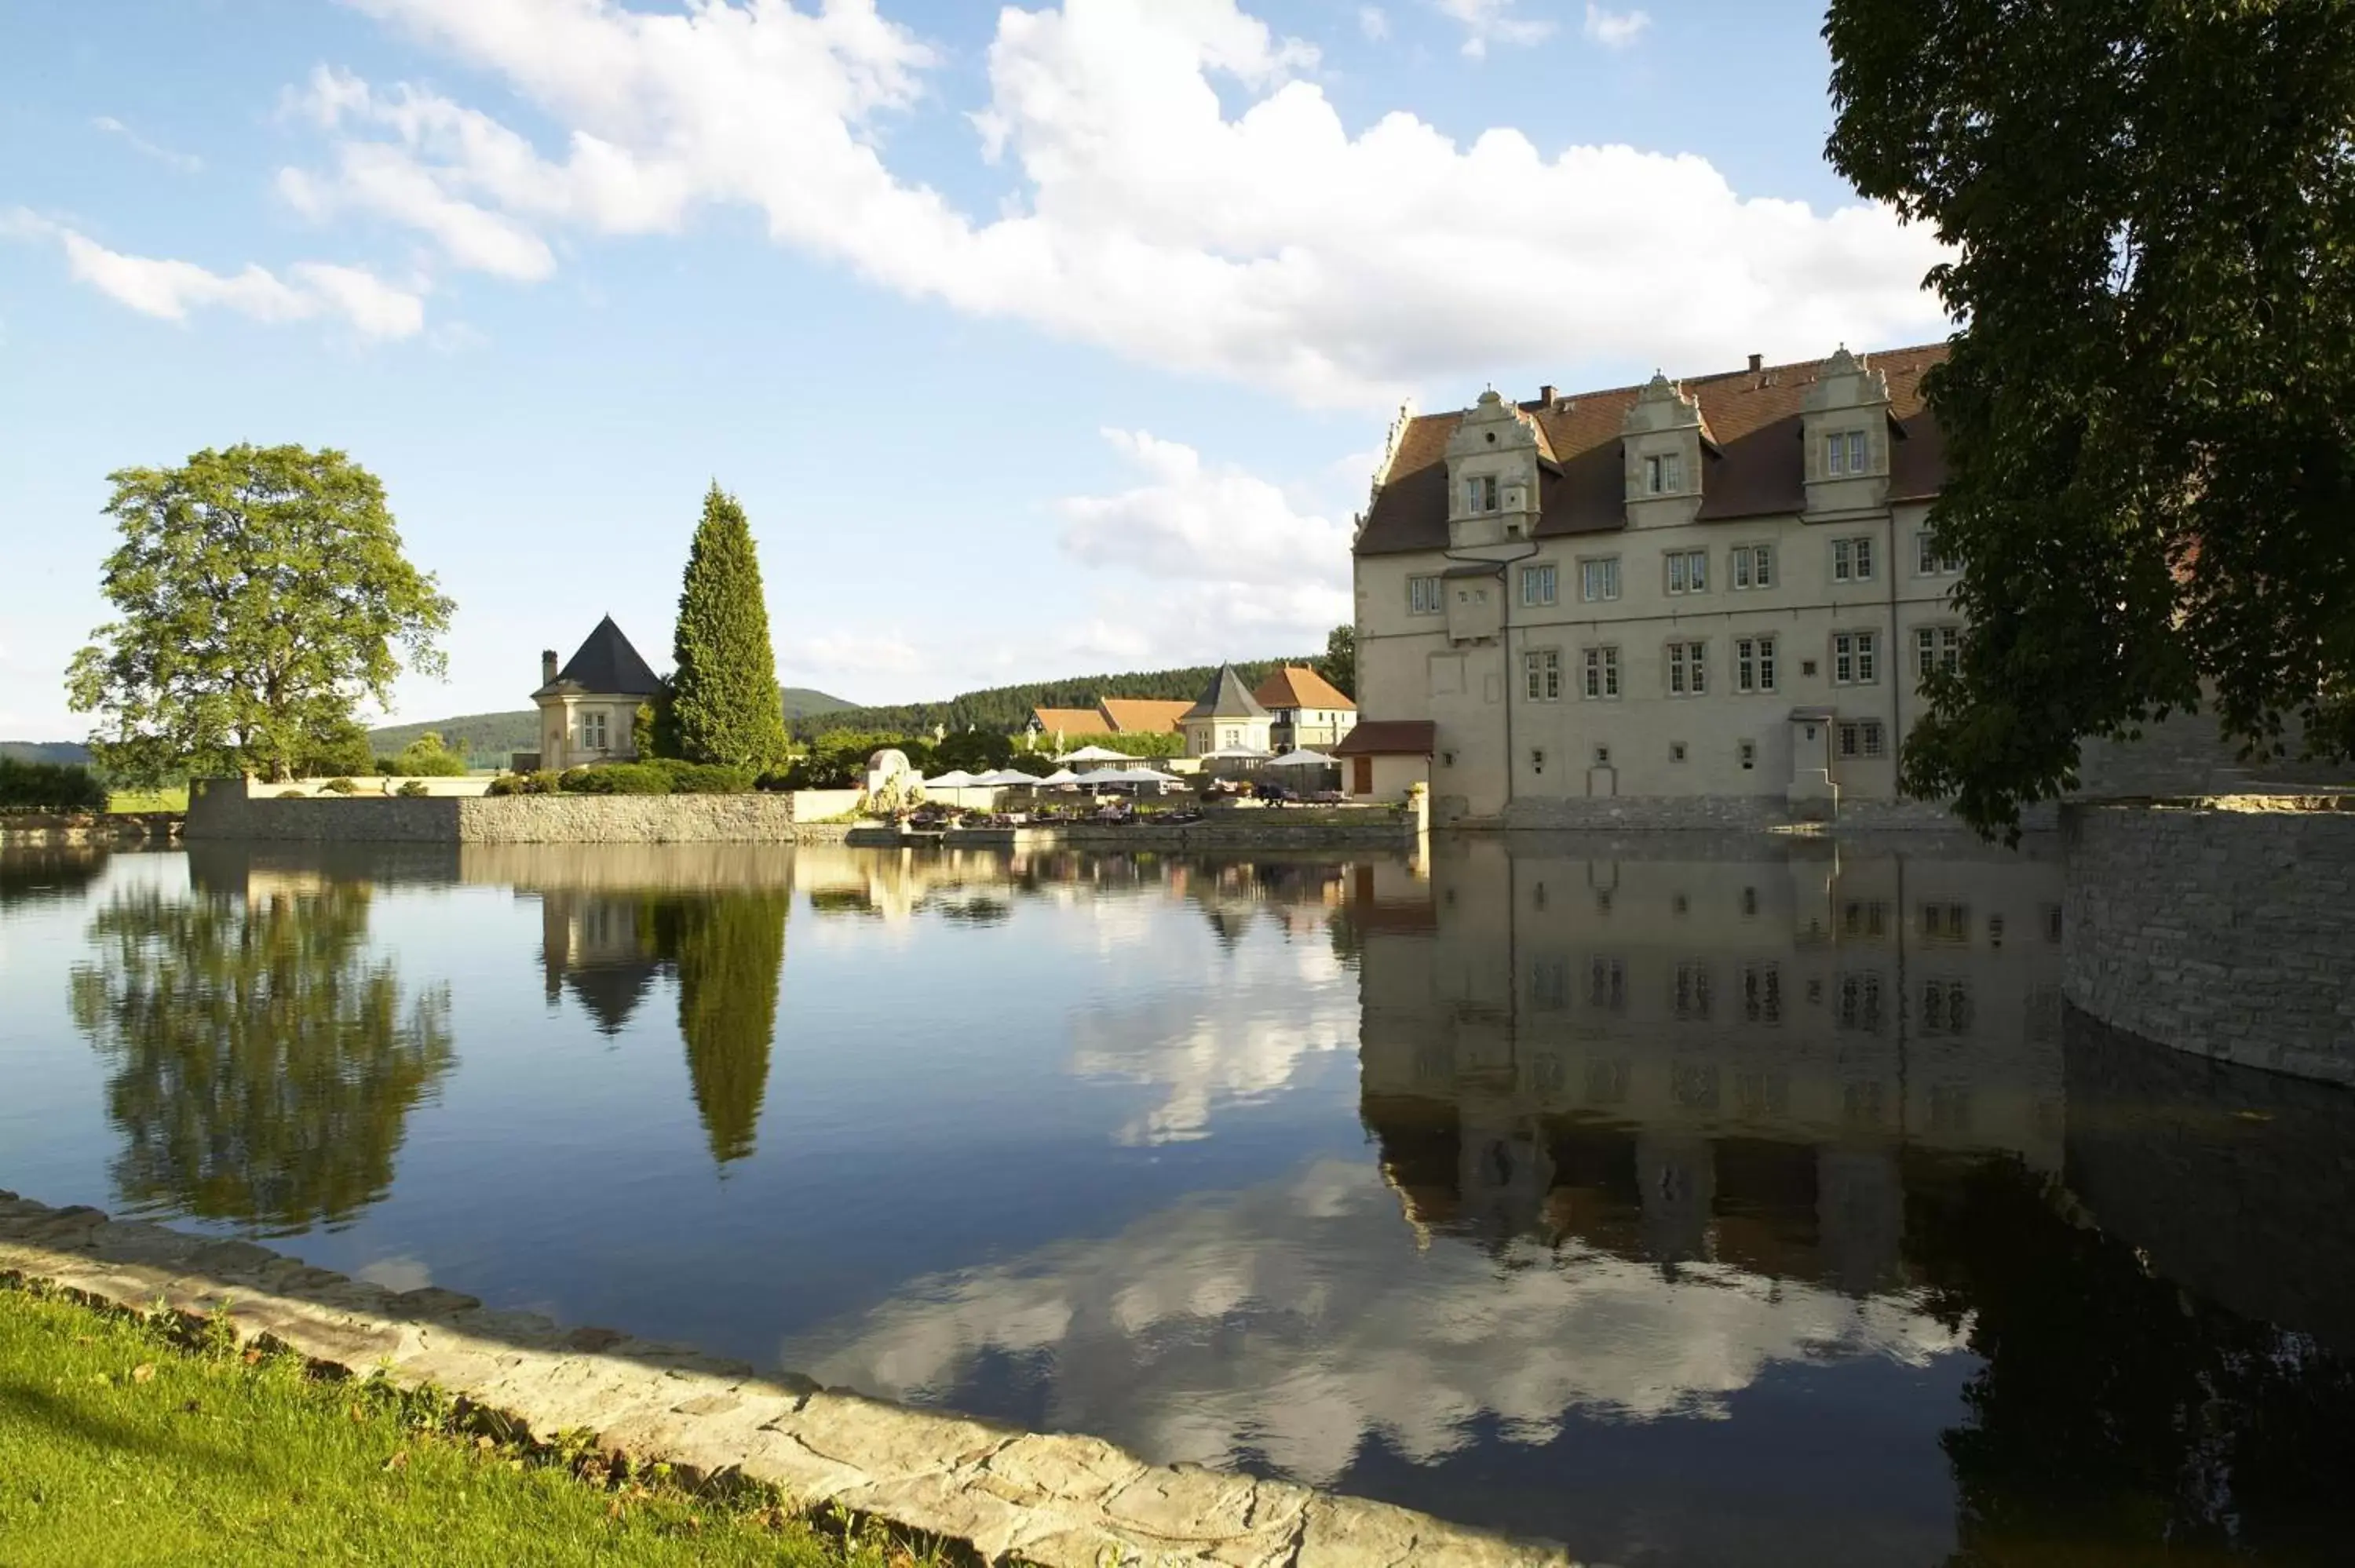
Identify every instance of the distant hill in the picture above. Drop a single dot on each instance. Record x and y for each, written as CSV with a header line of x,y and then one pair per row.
x,y
67,751
1004,708
492,738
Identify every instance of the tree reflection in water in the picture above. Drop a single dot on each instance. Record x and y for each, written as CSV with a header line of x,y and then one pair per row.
x,y
263,1064
729,951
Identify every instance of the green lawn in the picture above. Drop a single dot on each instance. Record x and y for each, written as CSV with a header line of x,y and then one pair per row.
x,y
171,800
121,1443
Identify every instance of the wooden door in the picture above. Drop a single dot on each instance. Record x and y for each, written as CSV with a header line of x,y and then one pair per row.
x,y
1361,775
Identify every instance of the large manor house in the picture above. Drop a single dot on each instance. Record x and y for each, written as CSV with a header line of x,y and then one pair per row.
x,y
1719,587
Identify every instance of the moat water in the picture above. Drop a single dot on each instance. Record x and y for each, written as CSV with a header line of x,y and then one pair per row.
x,y
1682,1199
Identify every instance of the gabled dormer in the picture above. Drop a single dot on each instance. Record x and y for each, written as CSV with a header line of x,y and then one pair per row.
x,y
1491,476
1846,432
1662,441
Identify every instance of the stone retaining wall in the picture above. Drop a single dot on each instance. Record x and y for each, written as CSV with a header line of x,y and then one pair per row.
x,y
2223,927
221,811
1014,1497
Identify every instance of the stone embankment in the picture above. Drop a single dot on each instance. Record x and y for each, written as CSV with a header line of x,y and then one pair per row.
x,y
118,829
1014,1497
222,810
2221,927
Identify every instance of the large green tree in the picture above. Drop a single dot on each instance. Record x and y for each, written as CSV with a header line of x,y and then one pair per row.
x,y
262,592
2151,464
725,706
1339,663
729,951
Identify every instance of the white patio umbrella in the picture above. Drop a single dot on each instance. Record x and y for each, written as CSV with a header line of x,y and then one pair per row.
x,y
954,779
1058,778
1235,754
1132,776
1304,757
1005,778
1094,754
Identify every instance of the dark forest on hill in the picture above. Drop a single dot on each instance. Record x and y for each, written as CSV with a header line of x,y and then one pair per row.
x,y
1004,708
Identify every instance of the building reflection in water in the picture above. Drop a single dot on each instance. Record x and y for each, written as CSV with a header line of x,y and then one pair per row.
x,y
1735,1229
263,1062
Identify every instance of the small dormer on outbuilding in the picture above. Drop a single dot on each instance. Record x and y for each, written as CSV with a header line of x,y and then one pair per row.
x,y
1492,476
1662,441
1847,431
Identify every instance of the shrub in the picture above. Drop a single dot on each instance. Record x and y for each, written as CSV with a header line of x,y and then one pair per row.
x,y
48,787
426,758
705,777
338,787
617,778
414,788
293,794
775,781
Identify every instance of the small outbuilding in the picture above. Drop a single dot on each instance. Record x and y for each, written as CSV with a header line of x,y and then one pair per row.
x,y
588,709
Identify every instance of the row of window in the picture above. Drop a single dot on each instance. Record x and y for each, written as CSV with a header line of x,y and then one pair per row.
x,y
1856,662
1946,1006
1684,572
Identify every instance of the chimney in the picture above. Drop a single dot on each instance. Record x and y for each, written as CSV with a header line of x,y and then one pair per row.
x,y
1758,363
547,667
1545,394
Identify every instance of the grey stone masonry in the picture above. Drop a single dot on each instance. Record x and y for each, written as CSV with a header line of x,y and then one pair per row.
x,y
1014,1497
2222,927
225,813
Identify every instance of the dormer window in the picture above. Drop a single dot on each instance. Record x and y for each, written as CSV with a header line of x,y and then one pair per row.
x,y
1480,493
1844,454
1662,474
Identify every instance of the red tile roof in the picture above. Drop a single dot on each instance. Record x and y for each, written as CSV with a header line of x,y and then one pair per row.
x,y
1071,721
1144,716
1390,737
1296,687
1752,416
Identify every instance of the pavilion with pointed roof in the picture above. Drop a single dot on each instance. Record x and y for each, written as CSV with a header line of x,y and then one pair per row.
x,y
1226,717
589,708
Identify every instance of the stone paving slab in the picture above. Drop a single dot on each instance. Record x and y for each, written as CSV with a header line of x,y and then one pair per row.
x,y
1016,1497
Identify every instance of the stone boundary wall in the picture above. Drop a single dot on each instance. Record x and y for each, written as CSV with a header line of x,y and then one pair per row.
x,y
1013,1496
221,811
91,827
2222,928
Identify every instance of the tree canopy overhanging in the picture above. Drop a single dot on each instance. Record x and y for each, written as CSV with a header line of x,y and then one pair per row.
x,y
262,593
2150,460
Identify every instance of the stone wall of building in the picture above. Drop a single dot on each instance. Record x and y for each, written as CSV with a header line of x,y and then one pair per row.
x,y
1735,812
2222,927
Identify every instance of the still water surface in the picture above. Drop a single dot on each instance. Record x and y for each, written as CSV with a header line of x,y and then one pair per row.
x,y
1685,1201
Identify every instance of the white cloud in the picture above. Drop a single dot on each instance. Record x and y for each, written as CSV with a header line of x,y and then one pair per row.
x,y
850,653
1614,29
1271,247
171,290
1373,23
187,163
1493,21
1192,521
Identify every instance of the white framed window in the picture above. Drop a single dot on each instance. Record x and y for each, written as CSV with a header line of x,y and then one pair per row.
x,y
1542,674
1687,669
1688,571
1856,658
1862,738
1480,493
1539,584
1931,562
1753,664
1751,567
1664,473
1845,454
1937,648
1423,596
1601,679
1747,751
1598,579
1852,559
592,731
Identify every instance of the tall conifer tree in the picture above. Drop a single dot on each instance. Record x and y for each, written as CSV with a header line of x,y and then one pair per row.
x,y
724,704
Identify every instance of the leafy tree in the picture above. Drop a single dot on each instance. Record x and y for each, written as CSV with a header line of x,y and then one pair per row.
x,y
427,757
974,750
2151,463
262,592
838,759
724,695
262,1067
1339,664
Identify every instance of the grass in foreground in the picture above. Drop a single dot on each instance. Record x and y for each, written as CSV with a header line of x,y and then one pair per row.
x,y
176,798
125,1441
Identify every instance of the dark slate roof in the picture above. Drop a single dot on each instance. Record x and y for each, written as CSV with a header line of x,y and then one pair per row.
x,y
1752,416
1226,698
608,665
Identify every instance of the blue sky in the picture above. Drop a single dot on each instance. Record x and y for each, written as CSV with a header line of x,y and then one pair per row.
x,y
1035,341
